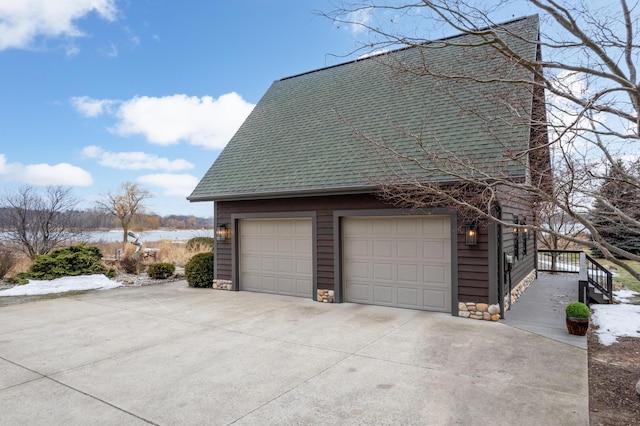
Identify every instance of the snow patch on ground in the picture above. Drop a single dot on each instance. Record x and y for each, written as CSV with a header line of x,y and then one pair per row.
x,y
624,295
613,321
62,285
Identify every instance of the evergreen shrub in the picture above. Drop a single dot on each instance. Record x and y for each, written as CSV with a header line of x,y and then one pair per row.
x,y
68,262
160,271
199,270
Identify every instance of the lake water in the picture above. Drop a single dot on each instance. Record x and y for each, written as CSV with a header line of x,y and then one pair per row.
x,y
148,236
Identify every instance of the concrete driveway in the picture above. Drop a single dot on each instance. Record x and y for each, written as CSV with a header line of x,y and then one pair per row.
x,y
173,355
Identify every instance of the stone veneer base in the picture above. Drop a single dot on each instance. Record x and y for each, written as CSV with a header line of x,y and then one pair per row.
x,y
479,311
483,311
221,285
326,296
519,289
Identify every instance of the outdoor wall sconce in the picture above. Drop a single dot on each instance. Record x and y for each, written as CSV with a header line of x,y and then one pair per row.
x,y
222,232
471,234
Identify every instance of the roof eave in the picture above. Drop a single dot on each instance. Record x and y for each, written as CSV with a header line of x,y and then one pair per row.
x,y
318,192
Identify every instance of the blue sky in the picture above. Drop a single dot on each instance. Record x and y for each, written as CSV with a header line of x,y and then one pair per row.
x,y
95,93
98,92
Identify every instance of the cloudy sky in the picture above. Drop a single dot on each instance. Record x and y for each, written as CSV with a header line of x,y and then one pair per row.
x,y
98,92
95,93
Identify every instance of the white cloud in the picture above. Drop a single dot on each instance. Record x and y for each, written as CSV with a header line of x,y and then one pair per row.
x,y
21,21
44,174
173,184
203,121
135,160
91,107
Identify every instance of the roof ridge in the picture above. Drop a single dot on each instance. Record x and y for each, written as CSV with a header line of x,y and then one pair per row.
x,y
376,55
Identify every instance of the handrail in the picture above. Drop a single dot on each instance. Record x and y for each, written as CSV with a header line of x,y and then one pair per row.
x,y
599,276
559,261
577,262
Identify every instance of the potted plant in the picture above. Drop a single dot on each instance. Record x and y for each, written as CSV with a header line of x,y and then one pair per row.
x,y
577,318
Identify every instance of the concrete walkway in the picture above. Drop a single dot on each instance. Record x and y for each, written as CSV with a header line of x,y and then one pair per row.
x,y
173,355
540,309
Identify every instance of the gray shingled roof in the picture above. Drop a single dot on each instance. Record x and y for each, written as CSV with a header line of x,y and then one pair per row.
x,y
312,133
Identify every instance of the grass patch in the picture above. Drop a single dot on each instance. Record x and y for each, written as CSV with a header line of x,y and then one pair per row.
x,y
622,278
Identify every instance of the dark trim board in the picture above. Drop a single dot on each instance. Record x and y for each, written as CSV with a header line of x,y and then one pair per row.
x,y
338,215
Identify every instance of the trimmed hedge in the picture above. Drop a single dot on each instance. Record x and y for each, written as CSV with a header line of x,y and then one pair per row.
x,y
199,270
160,271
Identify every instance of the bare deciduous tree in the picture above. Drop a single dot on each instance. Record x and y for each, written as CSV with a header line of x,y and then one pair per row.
x,y
586,70
125,204
38,223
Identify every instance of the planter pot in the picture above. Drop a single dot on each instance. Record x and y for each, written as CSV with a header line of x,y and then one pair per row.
x,y
577,326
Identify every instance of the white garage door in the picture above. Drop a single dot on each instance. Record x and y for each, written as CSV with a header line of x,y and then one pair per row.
x,y
398,261
276,256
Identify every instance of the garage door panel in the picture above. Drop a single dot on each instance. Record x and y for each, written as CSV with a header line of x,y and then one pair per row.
x,y
436,300
383,249
408,297
383,272
251,282
286,266
303,247
267,245
358,248
304,267
438,227
381,227
304,286
437,275
275,256
408,274
358,292
286,286
408,249
408,229
268,264
383,295
285,246
436,251
398,261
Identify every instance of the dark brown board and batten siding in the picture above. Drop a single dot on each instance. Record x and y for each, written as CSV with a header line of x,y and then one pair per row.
x,y
472,261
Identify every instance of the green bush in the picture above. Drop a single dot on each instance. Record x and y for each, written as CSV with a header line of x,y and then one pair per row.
x,y
66,262
195,243
160,271
199,270
577,310
21,278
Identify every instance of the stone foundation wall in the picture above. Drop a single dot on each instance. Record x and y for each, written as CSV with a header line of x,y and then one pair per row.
x,y
479,311
483,311
326,296
519,289
221,285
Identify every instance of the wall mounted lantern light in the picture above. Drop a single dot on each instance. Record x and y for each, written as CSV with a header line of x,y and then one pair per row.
x,y
471,234
222,232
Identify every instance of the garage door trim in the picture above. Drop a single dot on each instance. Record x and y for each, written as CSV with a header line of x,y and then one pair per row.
x,y
338,249
235,238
